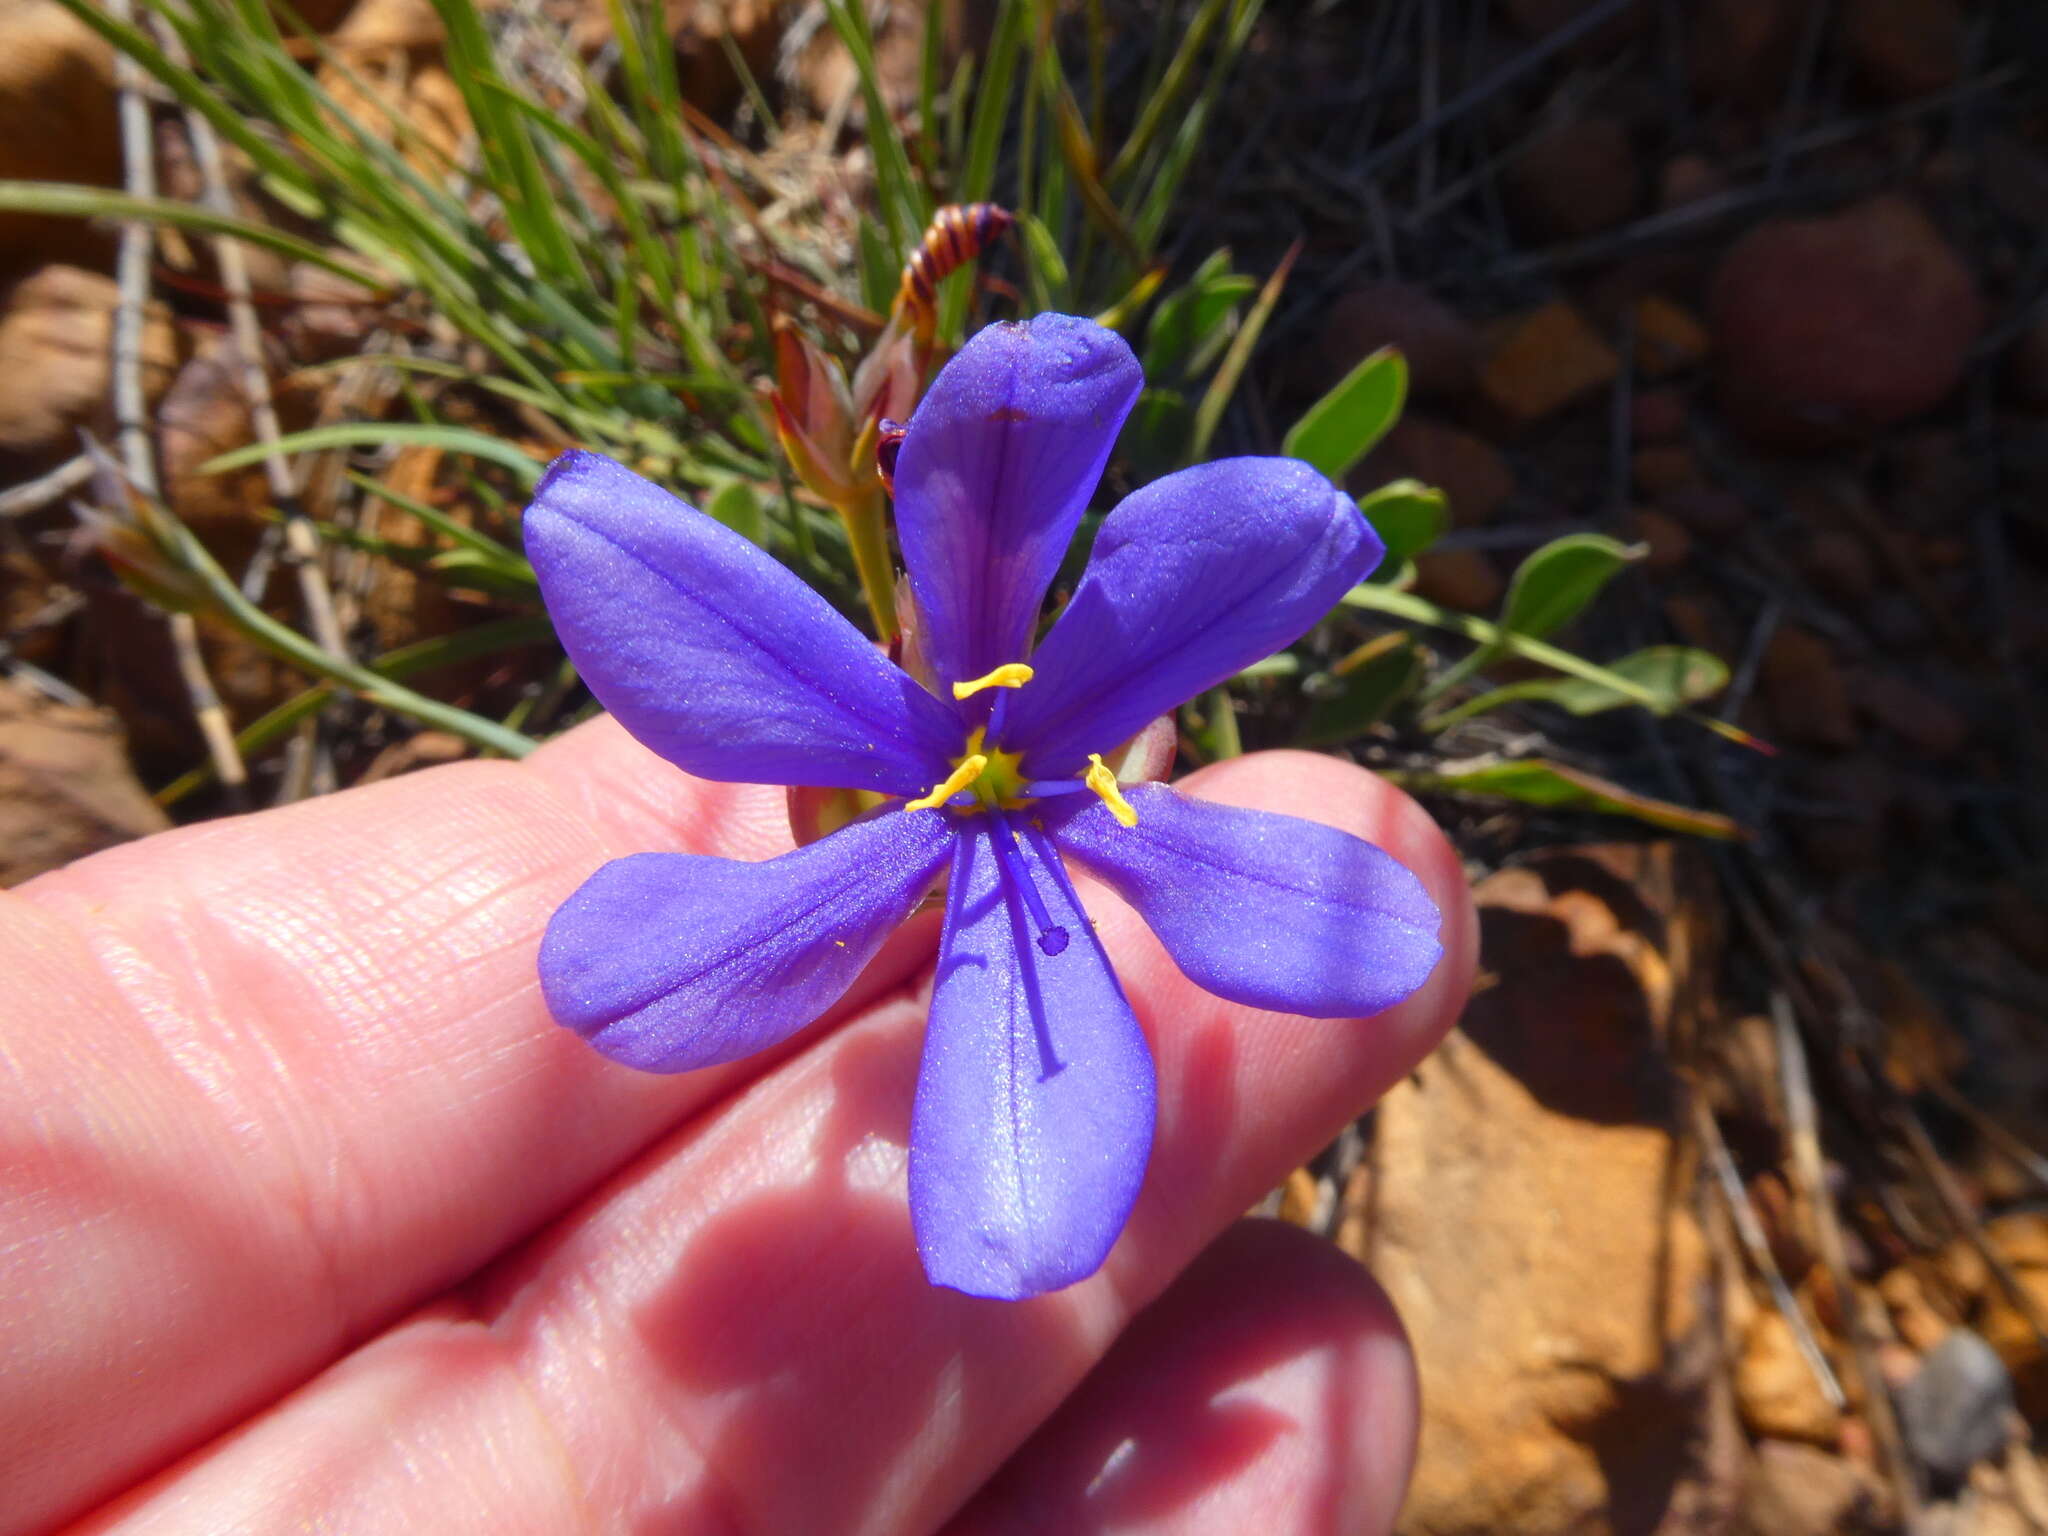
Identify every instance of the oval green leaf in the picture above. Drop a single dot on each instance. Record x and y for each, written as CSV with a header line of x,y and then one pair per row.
x,y
1341,428
1554,585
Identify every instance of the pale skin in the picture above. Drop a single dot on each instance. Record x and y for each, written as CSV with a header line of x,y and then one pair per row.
x,y
311,1219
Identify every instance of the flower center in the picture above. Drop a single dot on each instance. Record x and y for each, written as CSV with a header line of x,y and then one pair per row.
x,y
986,778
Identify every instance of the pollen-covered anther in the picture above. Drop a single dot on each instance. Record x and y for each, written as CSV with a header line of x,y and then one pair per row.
x,y
960,778
1011,674
1103,782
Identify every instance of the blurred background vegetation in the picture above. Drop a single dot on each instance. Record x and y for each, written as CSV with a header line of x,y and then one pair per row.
x,y
1691,356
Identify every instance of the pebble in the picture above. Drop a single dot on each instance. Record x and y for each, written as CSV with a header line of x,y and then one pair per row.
x,y
1954,1409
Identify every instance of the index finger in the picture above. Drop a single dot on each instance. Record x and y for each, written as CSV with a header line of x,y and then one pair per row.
x,y
273,1079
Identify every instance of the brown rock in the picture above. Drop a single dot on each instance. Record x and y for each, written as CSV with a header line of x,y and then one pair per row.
x,y
57,123
1926,722
1840,325
1440,345
65,786
1576,178
1662,468
1741,49
1467,469
1712,514
1658,415
1669,544
1904,48
1800,1491
1669,337
1918,1322
2010,1333
56,331
1459,578
1540,1143
1808,695
1688,179
1776,1389
1546,360
1840,565
2026,365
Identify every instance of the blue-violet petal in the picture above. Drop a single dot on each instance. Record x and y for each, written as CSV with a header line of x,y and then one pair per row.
x,y
1035,1102
998,464
1271,911
711,653
1193,578
671,961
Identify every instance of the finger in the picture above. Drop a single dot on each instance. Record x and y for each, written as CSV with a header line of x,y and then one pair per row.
x,y
1271,1388
737,1334
275,1079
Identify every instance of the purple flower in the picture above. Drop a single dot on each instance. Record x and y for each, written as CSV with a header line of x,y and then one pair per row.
x,y
1034,1110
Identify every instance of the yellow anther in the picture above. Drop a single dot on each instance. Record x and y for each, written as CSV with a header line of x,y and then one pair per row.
x,y
1103,782
962,776
1011,674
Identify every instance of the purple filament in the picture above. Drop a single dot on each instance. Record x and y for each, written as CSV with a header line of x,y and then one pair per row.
x,y
1051,937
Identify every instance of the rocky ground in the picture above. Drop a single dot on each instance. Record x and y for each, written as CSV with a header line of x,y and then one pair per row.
x,y
1723,1210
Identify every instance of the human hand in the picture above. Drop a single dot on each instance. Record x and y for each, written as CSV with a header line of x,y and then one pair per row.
x,y
300,1184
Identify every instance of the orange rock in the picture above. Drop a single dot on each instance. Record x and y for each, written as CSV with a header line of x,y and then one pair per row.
x,y
57,123
1920,1324
1548,359
1669,338
66,789
56,332
1776,1388
1527,1168
1664,467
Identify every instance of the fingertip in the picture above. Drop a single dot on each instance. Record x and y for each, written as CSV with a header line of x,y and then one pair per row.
x,y
1270,1386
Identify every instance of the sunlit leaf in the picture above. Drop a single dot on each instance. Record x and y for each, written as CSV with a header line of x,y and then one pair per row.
x,y
1538,781
1408,516
1555,583
1341,428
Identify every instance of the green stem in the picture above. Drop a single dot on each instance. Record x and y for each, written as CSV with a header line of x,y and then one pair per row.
x,y
867,535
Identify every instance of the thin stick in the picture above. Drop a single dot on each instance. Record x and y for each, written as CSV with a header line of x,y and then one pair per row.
x,y
34,495
1804,1122
1751,1231
131,414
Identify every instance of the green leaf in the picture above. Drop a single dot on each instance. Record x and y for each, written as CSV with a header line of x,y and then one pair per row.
x,y
1677,675
1155,438
1348,701
1553,586
735,505
1341,428
377,434
1194,318
1224,384
1409,516
1661,679
1048,270
98,203
1538,781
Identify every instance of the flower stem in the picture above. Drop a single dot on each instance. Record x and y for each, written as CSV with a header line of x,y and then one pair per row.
x,y
867,534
